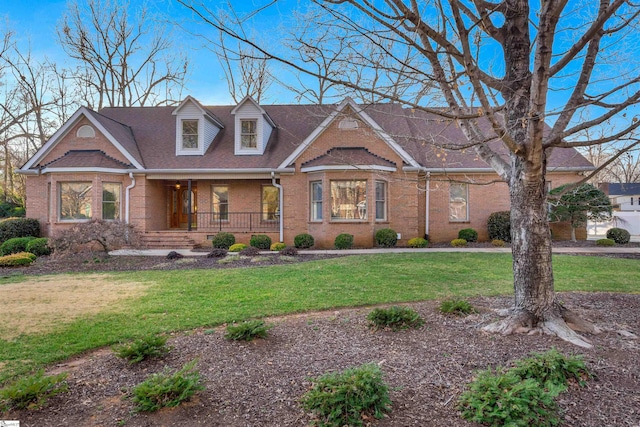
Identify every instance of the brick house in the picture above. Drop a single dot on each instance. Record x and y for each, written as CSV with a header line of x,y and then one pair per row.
x,y
182,174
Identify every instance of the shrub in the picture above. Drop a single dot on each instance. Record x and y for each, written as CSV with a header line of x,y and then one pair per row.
x,y
343,241
15,245
174,255
260,241
217,253
250,251
223,240
166,389
237,247
497,243
10,209
18,227
551,368
344,398
395,317
417,242
386,238
109,235
32,391
278,246
468,234
619,235
303,241
499,226
289,251
247,331
456,306
39,246
141,349
17,260
605,242
458,243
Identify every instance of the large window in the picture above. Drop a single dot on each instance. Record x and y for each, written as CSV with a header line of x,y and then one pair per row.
x,y
111,200
189,134
248,134
75,201
220,202
381,201
316,201
270,203
349,200
458,202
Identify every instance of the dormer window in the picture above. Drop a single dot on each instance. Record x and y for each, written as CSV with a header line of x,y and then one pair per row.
x,y
249,134
189,134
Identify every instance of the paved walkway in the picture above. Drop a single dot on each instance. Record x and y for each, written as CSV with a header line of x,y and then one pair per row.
x,y
568,250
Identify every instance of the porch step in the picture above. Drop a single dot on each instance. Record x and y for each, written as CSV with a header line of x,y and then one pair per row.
x,y
167,240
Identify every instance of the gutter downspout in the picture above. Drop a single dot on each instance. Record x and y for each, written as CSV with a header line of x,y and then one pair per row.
x,y
127,197
280,203
426,206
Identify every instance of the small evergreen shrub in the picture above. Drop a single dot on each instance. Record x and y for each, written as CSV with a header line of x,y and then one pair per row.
x,y
344,398
15,245
39,246
386,238
619,235
174,255
499,226
247,331
11,210
237,247
250,251
456,306
17,260
396,318
165,389
289,251
468,234
141,349
217,253
552,367
417,242
277,247
223,240
32,391
260,241
605,242
343,241
303,241
18,227
458,243
497,243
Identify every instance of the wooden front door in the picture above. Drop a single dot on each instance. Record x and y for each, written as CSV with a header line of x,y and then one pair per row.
x,y
180,207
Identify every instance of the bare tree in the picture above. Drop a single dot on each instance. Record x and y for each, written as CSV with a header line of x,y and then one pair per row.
x,y
122,60
502,63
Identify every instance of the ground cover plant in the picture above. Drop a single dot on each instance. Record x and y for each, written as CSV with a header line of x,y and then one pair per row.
x,y
32,391
395,318
143,348
247,330
456,306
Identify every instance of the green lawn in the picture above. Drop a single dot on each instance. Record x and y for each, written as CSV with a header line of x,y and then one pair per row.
x,y
186,299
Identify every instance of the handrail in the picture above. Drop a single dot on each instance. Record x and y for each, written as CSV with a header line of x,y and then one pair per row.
x,y
251,221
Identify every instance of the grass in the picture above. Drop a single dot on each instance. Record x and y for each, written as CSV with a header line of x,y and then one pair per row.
x,y
186,299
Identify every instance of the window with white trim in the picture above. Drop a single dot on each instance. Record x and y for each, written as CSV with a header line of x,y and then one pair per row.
x,y
458,202
75,201
111,200
220,202
316,201
248,133
189,134
381,201
349,200
270,203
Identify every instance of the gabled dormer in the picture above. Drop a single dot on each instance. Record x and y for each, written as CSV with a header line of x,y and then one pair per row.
x,y
253,127
196,128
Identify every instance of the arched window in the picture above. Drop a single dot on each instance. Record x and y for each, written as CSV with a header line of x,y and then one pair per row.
x,y
86,131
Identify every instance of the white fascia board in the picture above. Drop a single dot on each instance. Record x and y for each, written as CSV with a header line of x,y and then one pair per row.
x,y
203,110
490,170
86,170
348,168
246,99
208,171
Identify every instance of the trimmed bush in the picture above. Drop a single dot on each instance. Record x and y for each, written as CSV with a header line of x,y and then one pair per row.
x,y
141,349
619,235
223,240
396,318
250,251
166,389
33,391
386,238
303,241
605,242
343,241
552,367
15,245
18,227
417,242
456,306
247,331
468,234
499,226
346,398
17,260
498,243
260,241
289,251
39,246
237,247
217,253
277,247
458,243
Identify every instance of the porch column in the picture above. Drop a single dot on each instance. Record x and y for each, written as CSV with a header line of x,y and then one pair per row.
x,y
189,206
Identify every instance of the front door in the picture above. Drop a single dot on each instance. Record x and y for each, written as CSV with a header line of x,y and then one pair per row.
x,y
180,206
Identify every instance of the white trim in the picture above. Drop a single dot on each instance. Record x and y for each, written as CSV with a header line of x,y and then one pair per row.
x,y
490,170
87,170
248,98
348,168
203,110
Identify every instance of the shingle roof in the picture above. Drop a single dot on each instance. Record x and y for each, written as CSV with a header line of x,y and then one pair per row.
x,y
350,156
87,159
122,133
624,189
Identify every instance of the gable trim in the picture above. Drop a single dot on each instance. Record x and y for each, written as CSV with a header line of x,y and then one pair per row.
x,y
348,168
208,115
262,111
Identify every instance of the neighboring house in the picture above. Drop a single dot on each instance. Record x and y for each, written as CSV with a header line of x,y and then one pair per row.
x,y
623,196
182,174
